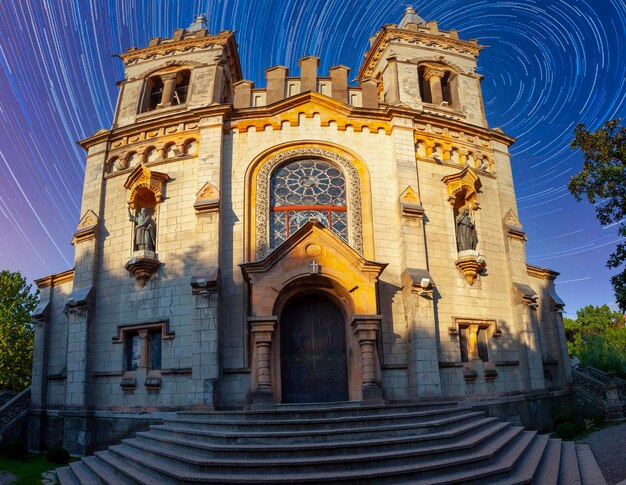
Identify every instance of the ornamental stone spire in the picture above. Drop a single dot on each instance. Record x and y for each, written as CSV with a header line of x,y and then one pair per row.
x,y
410,17
200,23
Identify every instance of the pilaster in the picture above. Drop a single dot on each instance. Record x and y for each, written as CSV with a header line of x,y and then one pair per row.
x,y
206,357
423,343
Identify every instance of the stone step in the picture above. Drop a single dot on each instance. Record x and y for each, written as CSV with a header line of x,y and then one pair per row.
x,y
548,473
526,468
105,473
590,473
315,435
347,459
426,447
319,410
82,473
568,471
501,460
131,471
241,423
66,477
471,462
190,444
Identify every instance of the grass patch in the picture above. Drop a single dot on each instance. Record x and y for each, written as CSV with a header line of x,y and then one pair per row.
x,y
28,470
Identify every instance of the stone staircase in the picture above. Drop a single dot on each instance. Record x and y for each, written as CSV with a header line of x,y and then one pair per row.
x,y
604,391
13,412
394,444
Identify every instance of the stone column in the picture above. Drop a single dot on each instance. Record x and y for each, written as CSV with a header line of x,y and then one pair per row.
x,y
262,331
366,328
145,350
472,342
434,76
169,85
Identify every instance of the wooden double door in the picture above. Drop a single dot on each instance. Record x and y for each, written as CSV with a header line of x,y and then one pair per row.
x,y
313,351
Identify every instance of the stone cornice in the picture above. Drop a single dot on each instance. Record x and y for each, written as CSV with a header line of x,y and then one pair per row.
x,y
225,39
389,34
541,273
155,123
384,114
55,279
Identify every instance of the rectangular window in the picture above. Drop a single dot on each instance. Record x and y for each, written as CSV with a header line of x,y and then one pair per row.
x,y
135,347
474,339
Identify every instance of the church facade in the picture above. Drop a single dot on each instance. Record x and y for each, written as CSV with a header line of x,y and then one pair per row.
x,y
309,241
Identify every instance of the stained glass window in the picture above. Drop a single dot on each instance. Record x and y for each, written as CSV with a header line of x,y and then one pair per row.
x,y
303,190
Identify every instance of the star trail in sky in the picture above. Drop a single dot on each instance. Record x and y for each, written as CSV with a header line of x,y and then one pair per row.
x,y
550,65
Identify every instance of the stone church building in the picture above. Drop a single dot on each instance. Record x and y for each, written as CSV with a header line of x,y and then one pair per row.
x,y
308,241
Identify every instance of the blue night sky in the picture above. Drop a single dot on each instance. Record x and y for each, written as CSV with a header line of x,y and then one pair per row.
x,y
550,65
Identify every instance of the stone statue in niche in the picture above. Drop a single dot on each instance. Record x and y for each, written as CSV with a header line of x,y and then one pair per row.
x,y
145,230
465,231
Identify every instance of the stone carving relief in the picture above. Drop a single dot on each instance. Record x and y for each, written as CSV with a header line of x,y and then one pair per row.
x,y
263,196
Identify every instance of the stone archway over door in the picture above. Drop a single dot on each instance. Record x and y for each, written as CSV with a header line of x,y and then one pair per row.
x,y
313,351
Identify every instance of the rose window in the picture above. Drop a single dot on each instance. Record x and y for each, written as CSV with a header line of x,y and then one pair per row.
x,y
304,190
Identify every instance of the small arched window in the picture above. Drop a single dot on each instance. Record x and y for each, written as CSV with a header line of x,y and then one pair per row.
x,y
306,189
169,151
151,154
133,159
191,147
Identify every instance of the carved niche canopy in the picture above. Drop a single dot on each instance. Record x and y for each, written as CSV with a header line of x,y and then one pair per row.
x,y
466,180
143,177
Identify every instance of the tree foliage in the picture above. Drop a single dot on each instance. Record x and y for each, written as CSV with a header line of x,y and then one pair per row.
x,y
598,338
602,181
16,331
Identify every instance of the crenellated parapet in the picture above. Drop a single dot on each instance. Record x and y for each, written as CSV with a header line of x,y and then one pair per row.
x,y
280,86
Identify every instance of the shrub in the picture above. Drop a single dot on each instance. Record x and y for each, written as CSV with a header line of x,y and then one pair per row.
x,y
14,449
59,455
568,431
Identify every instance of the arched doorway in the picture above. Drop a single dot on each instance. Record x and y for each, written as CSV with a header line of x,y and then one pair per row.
x,y
313,351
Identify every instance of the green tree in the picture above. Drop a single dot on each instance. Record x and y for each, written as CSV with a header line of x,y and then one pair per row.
x,y
16,331
598,338
603,182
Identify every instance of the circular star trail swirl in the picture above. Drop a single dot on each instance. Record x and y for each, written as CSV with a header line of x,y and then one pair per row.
x,y
550,65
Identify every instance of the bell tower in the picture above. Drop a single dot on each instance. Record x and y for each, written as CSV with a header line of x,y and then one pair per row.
x,y
425,68
189,70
